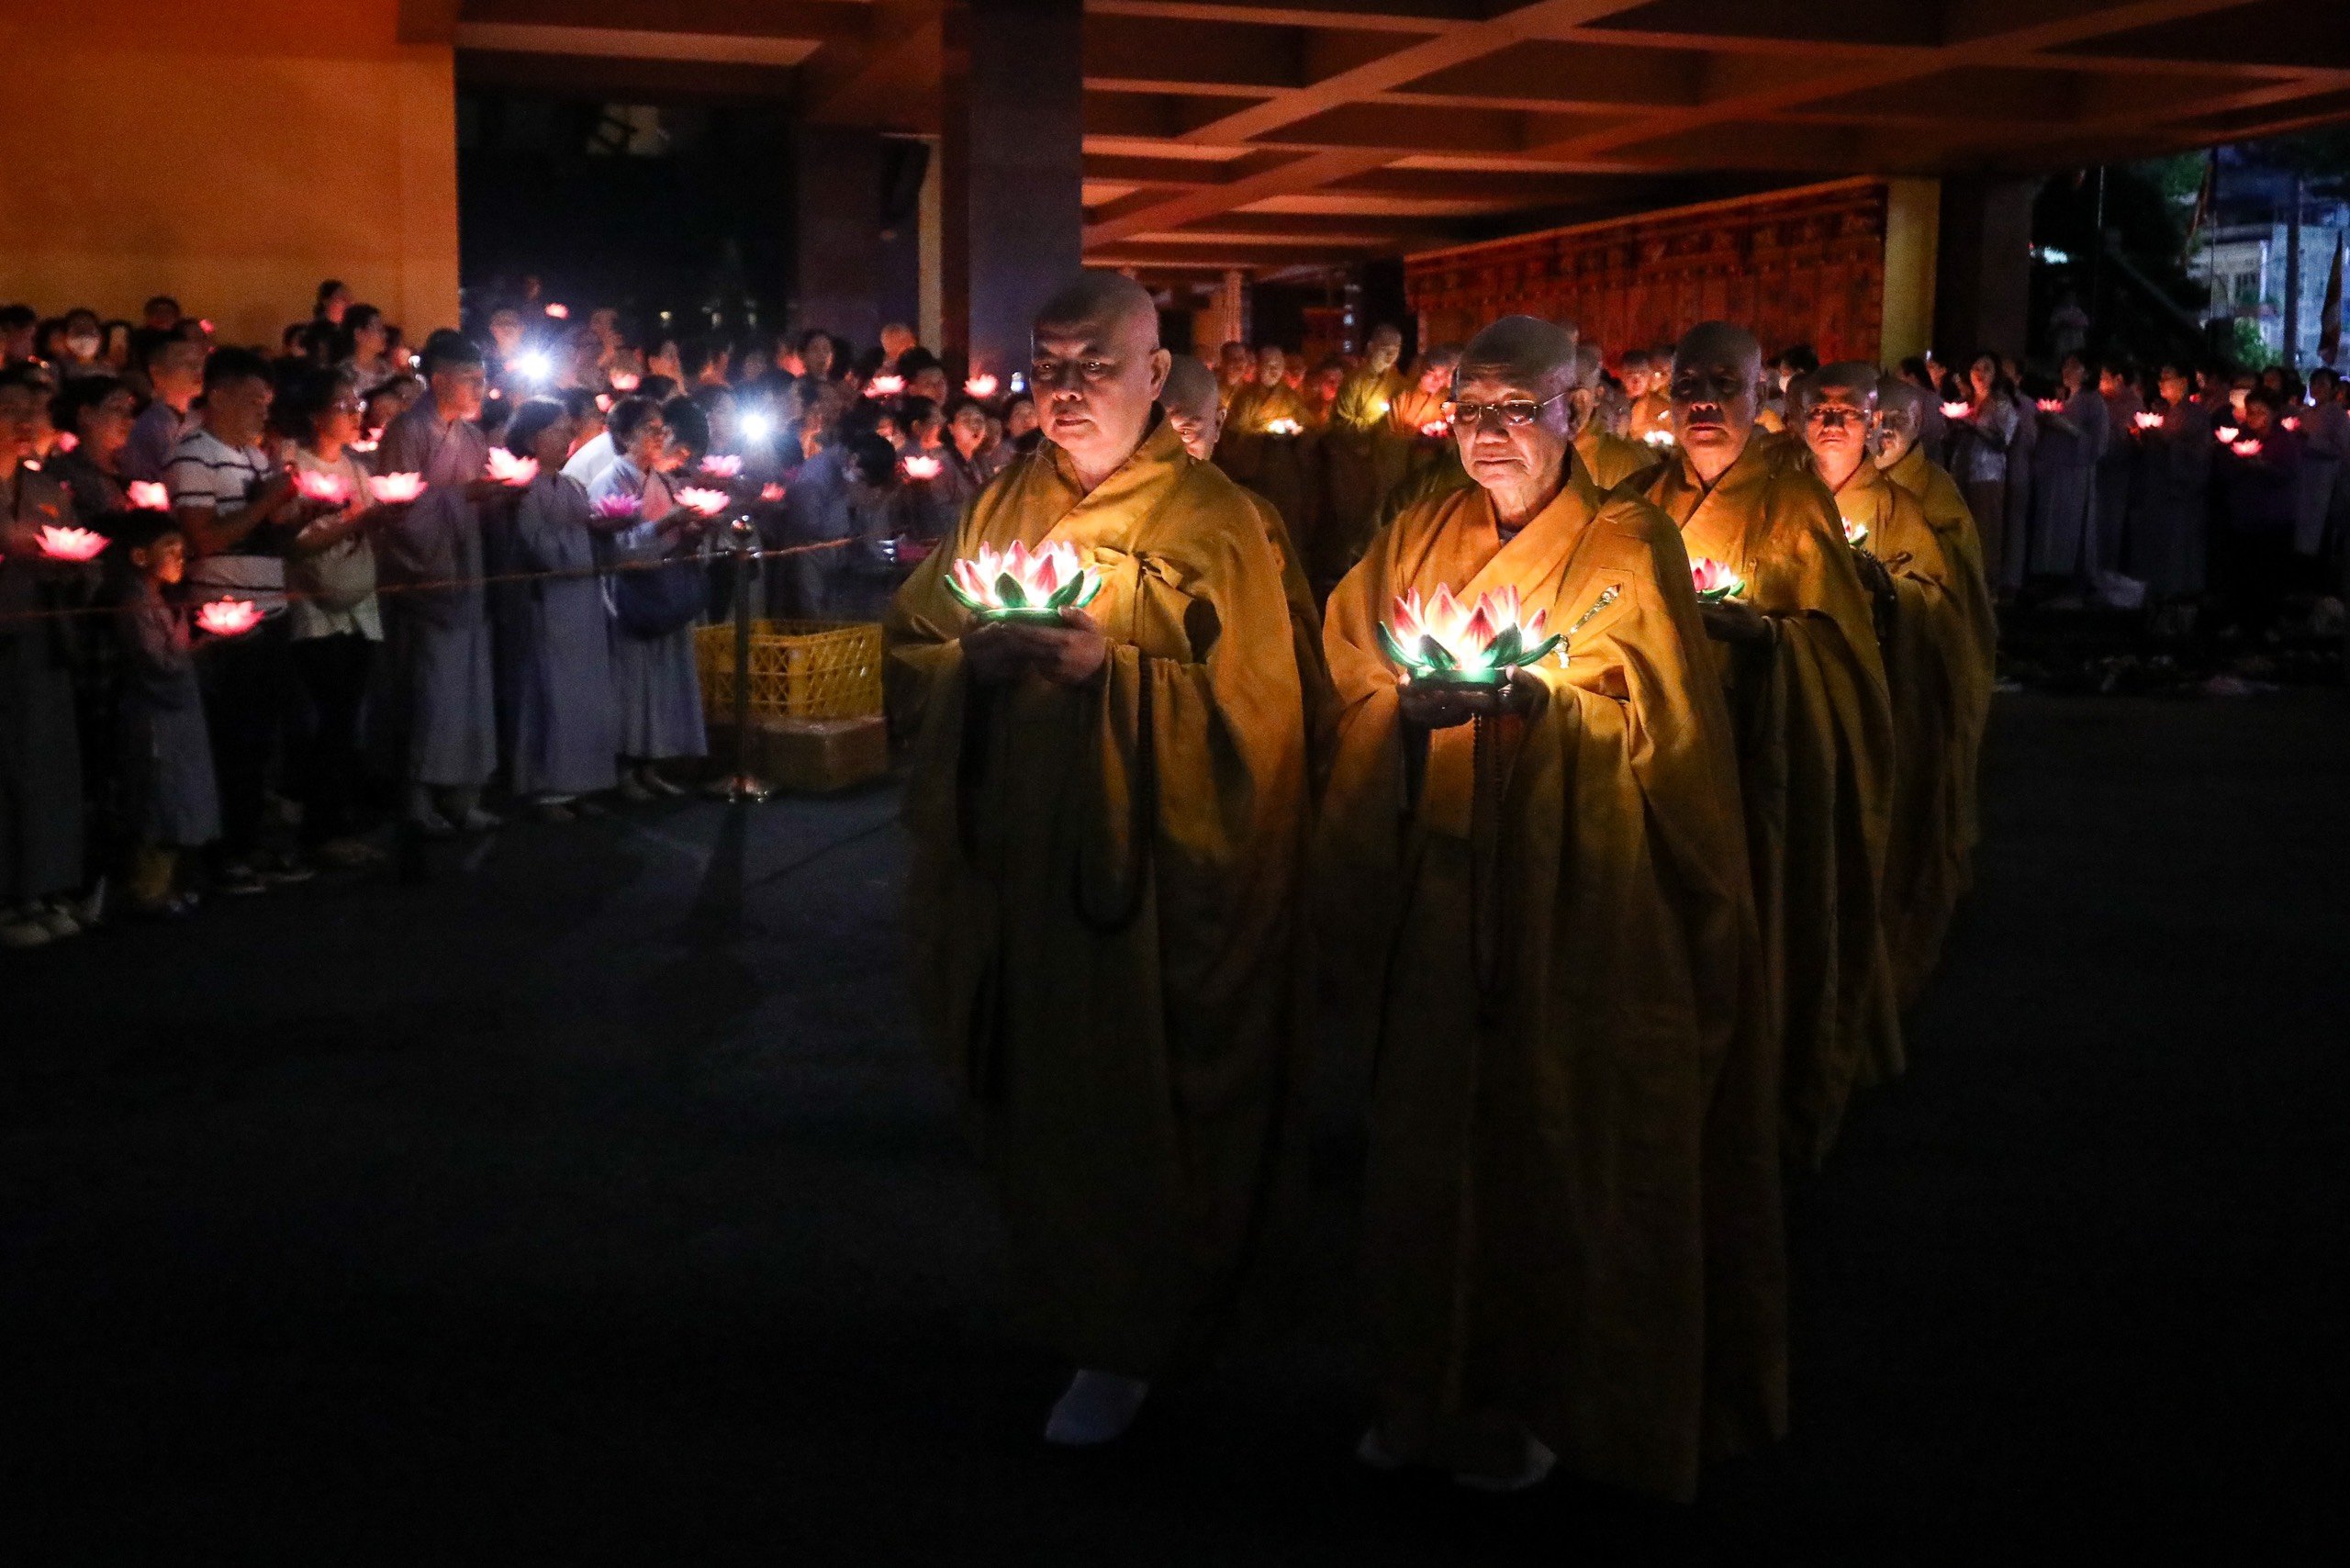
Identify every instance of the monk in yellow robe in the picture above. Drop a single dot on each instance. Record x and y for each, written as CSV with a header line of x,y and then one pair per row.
x,y
1644,380
1416,435
1267,447
1901,415
1612,459
1190,404
1924,640
1536,898
1358,422
1235,367
1797,649
1107,810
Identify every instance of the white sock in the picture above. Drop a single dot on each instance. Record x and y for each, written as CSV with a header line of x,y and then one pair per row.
x,y
1098,1408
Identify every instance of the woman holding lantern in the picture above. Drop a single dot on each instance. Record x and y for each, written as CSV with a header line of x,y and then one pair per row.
x,y
1532,882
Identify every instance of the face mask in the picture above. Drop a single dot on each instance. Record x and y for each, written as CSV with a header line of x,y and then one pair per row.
x,y
82,347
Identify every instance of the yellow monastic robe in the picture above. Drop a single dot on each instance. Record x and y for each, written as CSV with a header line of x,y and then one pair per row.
x,y
1650,411
1319,699
1277,465
1925,644
1613,460
1815,761
1408,450
1947,514
1102,895
1357,424
1572,1219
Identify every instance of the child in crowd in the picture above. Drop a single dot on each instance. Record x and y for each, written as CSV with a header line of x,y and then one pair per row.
x,y
170,802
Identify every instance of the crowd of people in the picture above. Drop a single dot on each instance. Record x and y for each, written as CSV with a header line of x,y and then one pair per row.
x,y
257,607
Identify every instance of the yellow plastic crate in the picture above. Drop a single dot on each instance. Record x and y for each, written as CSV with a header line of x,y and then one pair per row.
x,y
800,669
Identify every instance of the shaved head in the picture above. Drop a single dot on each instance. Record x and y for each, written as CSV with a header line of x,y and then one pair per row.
x,y
1588,365
1524,349
1191,389
1893,395
1100,299
1717,343
1900,419
1856,376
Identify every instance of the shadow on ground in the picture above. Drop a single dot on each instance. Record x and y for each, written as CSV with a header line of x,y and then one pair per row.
x,y
593,1200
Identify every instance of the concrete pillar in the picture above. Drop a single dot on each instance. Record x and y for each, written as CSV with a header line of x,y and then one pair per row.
x,y
1231,314
1983,284
1912,224
1014,165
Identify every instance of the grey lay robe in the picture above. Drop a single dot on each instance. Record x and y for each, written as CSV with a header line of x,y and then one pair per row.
x,y
2325,441
2063,473
170,796
2167,518
440,704
41,747
2022,449
2117,476
567,716
654,681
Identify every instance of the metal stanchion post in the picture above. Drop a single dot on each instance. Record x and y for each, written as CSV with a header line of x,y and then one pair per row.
x,y
745,785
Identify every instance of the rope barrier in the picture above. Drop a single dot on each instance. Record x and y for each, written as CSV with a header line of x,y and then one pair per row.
x,y
292,596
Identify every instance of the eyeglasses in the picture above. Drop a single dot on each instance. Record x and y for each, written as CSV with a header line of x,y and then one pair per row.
x,y
1515,414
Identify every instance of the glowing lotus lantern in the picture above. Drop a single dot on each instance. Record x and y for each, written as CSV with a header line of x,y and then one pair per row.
x,y
1021,585
981,387
626,380
1714,581
71,543
2248,447
2224,433
558,312
2290,421
885,386
394,489
2147,421
1660,439
1957,410
723,465
708,502
228,617
67,441
1283,427
770,493
603,402
1446,640
362,446
1856,534
149,495
2050,405
617,508
332,489
1436,430
508,469
921,465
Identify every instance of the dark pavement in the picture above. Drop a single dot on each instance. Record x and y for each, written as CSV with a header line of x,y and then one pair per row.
x,y
593,1202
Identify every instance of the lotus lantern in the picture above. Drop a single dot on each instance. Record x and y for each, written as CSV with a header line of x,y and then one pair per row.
x,y
922,465
149,495
1957,410
2147,420
328,489
771,492
71,543
1443,640
1660,439
1283,427
1024,585
508,469
885,386
981,387
394,490
699,498
228,617
1436,430
2248,447
617,508
2050,405
1714,581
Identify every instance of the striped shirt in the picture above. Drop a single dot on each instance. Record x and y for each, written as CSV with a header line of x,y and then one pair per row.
x,y
206,472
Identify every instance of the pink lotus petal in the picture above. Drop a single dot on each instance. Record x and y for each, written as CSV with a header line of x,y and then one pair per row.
x,y
2225,432
560,313
1436,428
771,493
2148,421
2247,447
885,386
617,506
2051,405
625,380
149,495
1957,410
67,441
708,502
723,465
980,387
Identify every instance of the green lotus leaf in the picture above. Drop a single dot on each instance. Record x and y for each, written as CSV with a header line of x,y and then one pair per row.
x,y
1433,656
1503,650
963,595
1536,654
1065,596
1009,593
1089,587
1392,648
